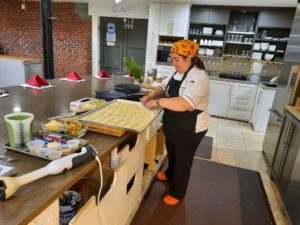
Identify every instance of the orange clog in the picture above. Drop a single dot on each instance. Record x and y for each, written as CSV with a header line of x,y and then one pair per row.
x,y
169,200
161,176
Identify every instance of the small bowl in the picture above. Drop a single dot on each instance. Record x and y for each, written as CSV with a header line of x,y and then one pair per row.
x,y
268,57
74,143
65,149
54,154
75,129
34,145
54,145
52,125
42,152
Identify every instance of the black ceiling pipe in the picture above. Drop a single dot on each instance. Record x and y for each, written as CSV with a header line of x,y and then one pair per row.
x,y
46,11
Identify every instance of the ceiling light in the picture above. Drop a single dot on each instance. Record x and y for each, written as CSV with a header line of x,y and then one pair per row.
x,y
23,5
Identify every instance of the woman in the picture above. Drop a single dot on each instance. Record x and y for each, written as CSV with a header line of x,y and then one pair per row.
x,y
184,98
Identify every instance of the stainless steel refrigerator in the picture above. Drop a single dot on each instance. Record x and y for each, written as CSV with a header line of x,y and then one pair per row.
x,y
286,92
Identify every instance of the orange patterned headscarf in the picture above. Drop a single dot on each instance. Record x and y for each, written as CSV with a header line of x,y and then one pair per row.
x,y
185,48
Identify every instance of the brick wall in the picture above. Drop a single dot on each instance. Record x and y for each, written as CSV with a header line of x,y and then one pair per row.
x,y
20,35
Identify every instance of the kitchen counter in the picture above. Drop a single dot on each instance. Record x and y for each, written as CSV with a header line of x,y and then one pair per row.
x,y
229,80
33,198
19,59
16,70
295,111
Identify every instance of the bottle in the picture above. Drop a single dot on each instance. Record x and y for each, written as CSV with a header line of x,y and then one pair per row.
x,y
201,42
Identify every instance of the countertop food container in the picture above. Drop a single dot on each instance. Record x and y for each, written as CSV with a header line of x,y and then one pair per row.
x,y
34,145
53,154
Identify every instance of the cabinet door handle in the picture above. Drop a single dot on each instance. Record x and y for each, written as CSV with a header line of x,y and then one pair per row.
x,y
152,41
229,93
172,26
169,30
288,134
259,98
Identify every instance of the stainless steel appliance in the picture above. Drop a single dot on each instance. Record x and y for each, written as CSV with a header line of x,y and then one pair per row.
x,y
286,167
163,54
292,53
233,75
286,92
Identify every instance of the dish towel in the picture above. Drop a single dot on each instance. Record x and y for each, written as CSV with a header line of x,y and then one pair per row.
x,y
3,93
103,75
36,82
73,77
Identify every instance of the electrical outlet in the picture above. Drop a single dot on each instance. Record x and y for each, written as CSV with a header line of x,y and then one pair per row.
x,y
23,6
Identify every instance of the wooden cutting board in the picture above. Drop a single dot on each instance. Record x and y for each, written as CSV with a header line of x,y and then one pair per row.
x,y
106,130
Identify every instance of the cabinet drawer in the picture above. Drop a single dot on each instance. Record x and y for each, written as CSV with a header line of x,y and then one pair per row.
x,y
239,113
134,156
52,211
244,90
241,101
117,204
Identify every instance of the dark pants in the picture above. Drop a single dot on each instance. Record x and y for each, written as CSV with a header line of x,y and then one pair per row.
x,y
180,163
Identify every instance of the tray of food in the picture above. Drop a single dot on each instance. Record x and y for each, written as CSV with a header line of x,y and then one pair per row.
x,y
49,146
69,126
121,114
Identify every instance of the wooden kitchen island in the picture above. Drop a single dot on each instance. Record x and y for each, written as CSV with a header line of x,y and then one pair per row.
x,y
124,185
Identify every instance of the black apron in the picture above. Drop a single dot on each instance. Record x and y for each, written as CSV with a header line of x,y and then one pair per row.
x,y
179,127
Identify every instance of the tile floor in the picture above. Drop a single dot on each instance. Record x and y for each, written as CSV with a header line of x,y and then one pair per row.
x,y
236,144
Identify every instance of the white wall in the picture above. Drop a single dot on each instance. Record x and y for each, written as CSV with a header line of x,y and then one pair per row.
x,y
122,10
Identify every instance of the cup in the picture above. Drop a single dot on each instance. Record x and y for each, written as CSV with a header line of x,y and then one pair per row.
x,y
19,126
34,145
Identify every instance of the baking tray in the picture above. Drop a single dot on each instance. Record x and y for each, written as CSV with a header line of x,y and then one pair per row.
x,y
25,150
122,127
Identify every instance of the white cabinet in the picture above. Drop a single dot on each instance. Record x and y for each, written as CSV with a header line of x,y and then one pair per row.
x,y
49,216
152,36
174,19
241,101
263,102
219,98
231,99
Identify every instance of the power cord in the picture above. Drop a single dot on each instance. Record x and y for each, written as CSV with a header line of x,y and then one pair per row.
x,y
101,184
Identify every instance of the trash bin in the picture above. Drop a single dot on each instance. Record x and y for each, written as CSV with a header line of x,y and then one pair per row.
x,y
69,204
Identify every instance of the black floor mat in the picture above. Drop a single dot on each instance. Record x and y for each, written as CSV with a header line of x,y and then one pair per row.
x,y
204,149
217,195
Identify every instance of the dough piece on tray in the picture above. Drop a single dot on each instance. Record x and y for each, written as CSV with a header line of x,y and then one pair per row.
x,y
121,114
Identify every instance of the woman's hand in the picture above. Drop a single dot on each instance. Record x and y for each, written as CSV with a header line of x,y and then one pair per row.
x,y
145,99
152,104
153,95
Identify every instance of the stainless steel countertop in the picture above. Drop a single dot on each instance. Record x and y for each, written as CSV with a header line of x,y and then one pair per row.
x,y
52,101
